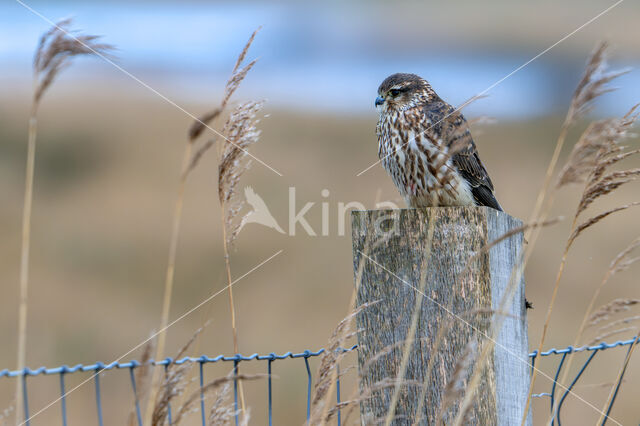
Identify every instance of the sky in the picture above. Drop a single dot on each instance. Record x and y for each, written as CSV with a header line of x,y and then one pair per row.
x,y
328,58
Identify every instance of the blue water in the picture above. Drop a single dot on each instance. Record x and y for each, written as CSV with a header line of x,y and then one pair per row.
x,y
324,59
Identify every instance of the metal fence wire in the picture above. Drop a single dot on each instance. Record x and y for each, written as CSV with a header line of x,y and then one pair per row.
x,y
99,368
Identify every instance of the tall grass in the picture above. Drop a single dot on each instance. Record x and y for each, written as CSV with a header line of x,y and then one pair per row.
x,y
55,51
175,383
238,134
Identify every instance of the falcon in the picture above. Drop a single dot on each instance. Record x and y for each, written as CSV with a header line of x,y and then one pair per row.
x,y
426,146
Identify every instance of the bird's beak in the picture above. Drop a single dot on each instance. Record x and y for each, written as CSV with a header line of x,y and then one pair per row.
x,y
379,101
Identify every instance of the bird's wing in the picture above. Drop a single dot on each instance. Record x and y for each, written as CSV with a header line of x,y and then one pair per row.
x,y
451,126
254,199
260,213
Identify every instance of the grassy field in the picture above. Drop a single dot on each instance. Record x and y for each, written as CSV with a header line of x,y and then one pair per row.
x,y
106,177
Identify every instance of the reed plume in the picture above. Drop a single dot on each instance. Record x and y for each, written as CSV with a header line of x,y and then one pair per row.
x,y
614,307
175,384
584,163
321,411
622,321
598,149
193,153
593,83
55,52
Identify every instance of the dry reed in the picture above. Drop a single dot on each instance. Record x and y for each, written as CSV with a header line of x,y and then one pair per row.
x,y
620,263
189,162
515,231
600,338
619,322
456,384
56,49
171,265
241,131
321,410
615,387
598,149
221,413
593,84
175,384
614,307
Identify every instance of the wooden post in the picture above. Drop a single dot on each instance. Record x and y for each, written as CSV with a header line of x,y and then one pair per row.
x,y
463,286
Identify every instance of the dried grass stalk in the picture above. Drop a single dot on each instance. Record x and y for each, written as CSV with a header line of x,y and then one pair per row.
x,y
594,83
623,260
618,264
194,398
56,49
456,385
582,159
199,125
241,130
237,76
143,377
579,229
597,150
170,271
616,306
595,385
327,371
619,380
189,163
606,185
627,320
173,385
352,403
515,231
197,156
222,412
608,334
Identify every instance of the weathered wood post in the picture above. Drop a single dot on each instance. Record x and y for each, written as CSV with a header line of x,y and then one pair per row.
x,y
464,279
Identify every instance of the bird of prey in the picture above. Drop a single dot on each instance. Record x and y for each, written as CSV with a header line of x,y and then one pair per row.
x,y
427,148
260,213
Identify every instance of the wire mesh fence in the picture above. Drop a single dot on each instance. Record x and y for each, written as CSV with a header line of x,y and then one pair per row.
x,y
555,395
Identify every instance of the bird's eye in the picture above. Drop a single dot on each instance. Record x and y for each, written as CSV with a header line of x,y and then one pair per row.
x,y
394,92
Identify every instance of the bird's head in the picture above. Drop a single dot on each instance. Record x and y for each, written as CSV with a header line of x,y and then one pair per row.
x,y
400,91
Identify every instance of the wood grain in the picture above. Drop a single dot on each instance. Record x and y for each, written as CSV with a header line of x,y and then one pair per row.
x,y
464,288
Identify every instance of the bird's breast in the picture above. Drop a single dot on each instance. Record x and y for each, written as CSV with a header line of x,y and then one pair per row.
x,y
418,163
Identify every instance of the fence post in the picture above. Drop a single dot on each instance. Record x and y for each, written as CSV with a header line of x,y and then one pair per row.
x,y
463,288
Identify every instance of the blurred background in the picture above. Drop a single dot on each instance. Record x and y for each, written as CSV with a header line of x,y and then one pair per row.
x,y
109,153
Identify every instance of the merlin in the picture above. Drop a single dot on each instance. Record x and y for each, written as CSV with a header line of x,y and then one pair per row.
x,y
426,146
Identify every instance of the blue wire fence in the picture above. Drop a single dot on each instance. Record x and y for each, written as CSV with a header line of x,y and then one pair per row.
x,y
100,367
